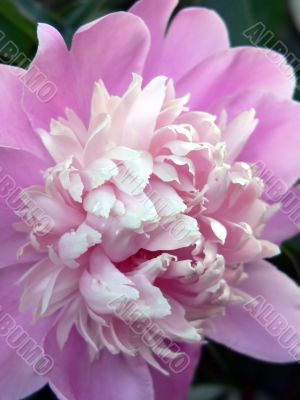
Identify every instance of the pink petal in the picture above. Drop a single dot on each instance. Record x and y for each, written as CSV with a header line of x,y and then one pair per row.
x,y
177,385
17,379
238,132
282,226
75,380
25,172
195,33
221,75
251,331
128,38
15,128
54,69
156,15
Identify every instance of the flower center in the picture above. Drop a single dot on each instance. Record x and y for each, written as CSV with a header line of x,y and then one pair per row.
x,y
152,222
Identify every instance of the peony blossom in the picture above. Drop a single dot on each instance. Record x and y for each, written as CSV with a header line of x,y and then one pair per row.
x,y
134,222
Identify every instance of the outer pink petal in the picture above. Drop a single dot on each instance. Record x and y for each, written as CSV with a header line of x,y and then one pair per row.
x,y
110,48
52,60
156,14
281,226
244,333
195,33
275,137
74,377
177,385
15,127
233,72
17,379
20,169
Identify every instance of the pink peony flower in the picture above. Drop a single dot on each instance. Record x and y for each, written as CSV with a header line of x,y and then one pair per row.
x,y
142,227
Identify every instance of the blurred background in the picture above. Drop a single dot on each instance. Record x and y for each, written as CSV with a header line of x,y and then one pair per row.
x,y
223,374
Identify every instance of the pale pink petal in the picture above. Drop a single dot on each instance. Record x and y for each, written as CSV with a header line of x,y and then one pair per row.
x,y
151,301
143,115
62,216
104,283
180,232
250,330
238,131
100,201
120,244
165,199
73,244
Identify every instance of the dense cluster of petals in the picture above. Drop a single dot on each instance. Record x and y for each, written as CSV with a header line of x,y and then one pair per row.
x,y
144,223
150,211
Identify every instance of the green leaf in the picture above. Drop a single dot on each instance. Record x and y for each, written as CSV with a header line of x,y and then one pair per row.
x,y
37,12
214,392
237,14
12,14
